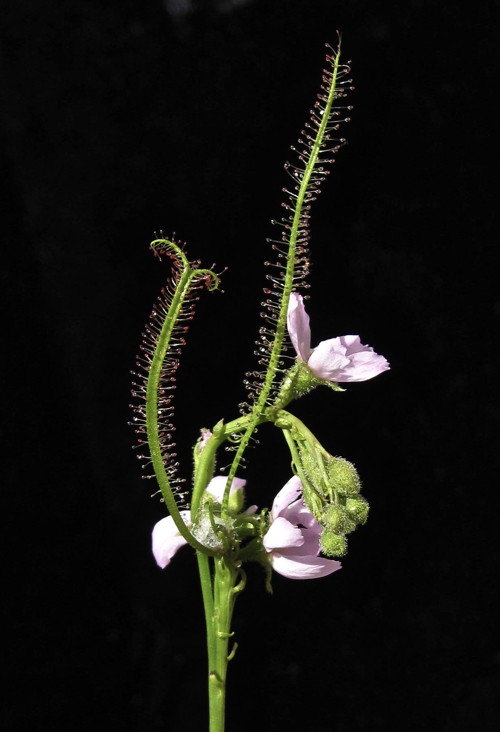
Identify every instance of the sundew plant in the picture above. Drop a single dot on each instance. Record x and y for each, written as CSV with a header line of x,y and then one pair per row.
x,y
304,532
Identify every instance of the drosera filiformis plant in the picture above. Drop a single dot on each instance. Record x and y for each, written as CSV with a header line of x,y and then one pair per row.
x,y
304,532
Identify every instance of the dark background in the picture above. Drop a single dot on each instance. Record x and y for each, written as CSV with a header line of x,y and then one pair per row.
x,y
120,118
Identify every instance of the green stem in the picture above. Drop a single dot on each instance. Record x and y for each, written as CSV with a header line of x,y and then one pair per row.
x,y
208,602
218,601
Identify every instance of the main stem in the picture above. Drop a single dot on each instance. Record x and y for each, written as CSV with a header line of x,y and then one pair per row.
x,y
219,595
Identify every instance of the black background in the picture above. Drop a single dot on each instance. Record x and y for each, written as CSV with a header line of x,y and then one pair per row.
x,y
121,118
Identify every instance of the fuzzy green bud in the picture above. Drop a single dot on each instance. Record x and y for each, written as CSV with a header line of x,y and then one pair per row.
x,y
357,508
344,477
336,518
333,545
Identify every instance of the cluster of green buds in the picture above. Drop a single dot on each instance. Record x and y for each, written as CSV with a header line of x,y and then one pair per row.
x,y
331,485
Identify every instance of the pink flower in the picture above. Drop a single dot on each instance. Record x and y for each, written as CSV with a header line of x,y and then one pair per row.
x,y
343,358
292,540
166,538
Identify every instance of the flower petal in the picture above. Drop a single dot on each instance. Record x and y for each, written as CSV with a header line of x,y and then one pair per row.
x,y
363,364
217,486
298,326
287,495
167,540
298,514
282,535
328,359
353,344
295,567
346,359
310,547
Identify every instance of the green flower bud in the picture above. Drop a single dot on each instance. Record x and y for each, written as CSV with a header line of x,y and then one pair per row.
x,y
335,518
357,509
344,477
236,501
333,545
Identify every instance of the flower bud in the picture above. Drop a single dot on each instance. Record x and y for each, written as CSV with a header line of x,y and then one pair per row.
x,y
236,500
344,477
336,518
357,508
333,545
214,495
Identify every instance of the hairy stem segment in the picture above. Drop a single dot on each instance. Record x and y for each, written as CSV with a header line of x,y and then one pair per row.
x,y
307,182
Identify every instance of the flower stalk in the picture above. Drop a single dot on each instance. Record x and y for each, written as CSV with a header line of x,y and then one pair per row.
x,y
219,594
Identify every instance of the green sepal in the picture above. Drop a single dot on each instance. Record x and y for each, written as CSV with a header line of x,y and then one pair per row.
x,y
331,385
298,382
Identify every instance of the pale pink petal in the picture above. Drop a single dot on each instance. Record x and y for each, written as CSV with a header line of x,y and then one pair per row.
x,y
353,344
295,567
282,535
217,486
167,540
289,493
298,326
328,359
363,366
345,359
298,513
311,545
